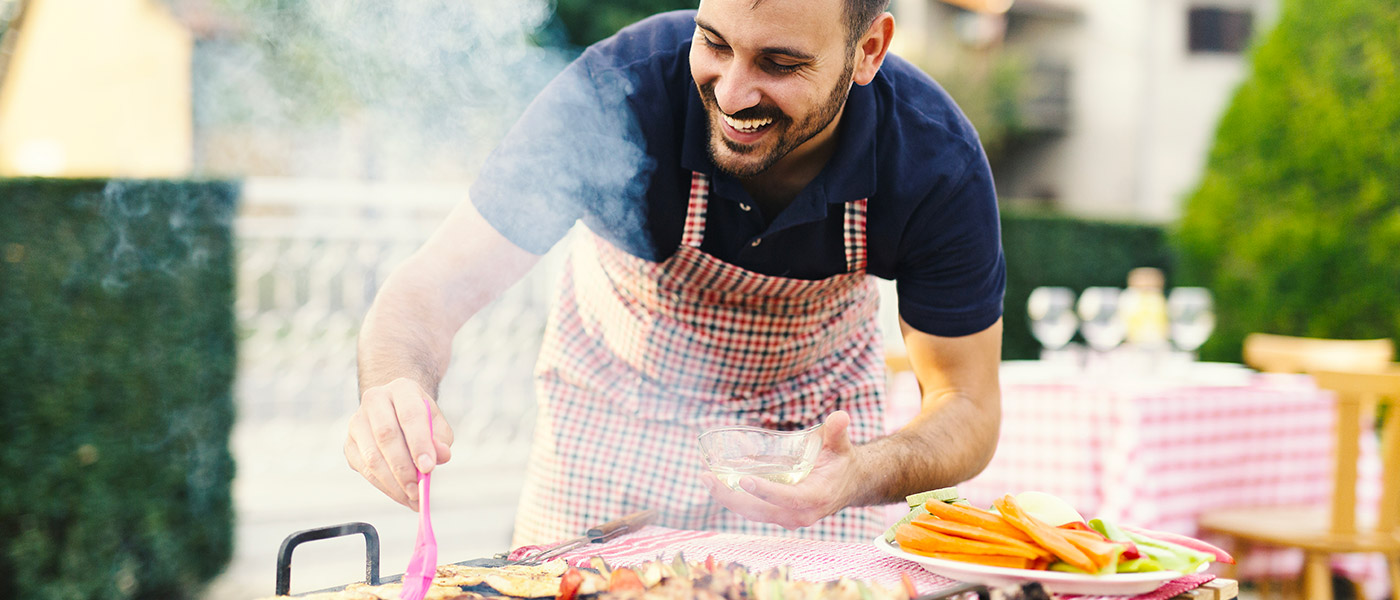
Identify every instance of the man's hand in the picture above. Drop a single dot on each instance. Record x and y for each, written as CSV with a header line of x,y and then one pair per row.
x,y
388,442
830,487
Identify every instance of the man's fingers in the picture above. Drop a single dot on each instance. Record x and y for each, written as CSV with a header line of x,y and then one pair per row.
x,y
411,410
388,437
362,453
753,508
834,435
442,436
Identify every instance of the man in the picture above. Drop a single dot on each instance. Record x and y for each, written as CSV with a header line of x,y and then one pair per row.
x,y
741,170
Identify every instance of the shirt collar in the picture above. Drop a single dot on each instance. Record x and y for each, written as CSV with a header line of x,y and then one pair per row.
x,y
848,176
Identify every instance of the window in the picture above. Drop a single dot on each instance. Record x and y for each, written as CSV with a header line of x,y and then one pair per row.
x,y
1219,30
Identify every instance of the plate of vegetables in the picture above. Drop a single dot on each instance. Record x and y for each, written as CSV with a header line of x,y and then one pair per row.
x,y
1034,536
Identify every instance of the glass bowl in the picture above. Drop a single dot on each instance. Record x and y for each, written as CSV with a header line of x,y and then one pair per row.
x,y
781,456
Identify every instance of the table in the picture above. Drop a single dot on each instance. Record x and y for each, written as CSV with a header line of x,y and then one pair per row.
x,y
1155,449
810,560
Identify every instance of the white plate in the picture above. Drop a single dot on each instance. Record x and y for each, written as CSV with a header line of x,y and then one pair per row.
x,y
1122,584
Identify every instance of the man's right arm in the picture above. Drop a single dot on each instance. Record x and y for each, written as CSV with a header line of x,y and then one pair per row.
x,y
406,343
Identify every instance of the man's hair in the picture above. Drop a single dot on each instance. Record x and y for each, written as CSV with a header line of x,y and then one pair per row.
x,y
859,15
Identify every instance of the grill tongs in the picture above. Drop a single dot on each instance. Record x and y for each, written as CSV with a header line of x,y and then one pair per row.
x,y
535,555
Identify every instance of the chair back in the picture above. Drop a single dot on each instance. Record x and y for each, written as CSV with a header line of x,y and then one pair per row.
x,y
1361,396
1289,354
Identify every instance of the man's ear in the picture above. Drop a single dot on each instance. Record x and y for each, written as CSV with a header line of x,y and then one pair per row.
x,y
872,48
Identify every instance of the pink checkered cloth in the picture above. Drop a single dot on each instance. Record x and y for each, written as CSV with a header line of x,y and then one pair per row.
x,y
809,560
1157,453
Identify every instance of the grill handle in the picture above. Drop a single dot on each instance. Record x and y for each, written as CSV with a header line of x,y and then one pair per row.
x,y
284,554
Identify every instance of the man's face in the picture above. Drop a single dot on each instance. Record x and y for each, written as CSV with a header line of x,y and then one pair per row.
x,y
773,78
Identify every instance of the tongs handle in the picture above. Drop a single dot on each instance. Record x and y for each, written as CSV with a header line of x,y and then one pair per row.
x,y
612,529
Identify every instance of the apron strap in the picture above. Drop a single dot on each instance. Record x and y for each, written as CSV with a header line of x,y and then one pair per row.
x,y
853,229
695,210
855,236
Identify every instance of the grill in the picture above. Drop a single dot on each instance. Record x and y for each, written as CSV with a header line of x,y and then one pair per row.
x,y
371,535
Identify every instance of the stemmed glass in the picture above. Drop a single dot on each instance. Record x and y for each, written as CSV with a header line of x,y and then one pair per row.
x,y
1191,312
1051,311
1099,320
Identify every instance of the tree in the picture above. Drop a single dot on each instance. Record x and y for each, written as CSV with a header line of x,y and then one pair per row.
x,y
1296,223
431,84
582,22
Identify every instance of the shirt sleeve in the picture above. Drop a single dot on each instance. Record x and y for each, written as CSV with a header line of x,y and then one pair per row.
x,y
576,151
955,285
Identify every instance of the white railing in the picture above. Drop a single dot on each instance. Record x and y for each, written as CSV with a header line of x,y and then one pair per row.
x,y
311,255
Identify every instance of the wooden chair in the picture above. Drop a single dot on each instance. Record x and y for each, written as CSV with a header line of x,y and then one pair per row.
x,y
1289,354
1320,531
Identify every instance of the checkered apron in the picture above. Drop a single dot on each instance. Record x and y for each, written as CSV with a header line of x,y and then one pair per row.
x,y
639,357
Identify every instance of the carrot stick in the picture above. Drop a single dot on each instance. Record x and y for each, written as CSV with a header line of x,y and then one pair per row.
x,y
1048,537
974,532
991,560
1099,549
913,536
974,516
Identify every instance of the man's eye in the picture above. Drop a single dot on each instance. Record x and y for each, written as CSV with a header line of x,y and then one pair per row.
x,y
783,68
714,44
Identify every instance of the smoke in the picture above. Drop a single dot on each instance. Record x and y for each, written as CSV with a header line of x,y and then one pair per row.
x,y
364,88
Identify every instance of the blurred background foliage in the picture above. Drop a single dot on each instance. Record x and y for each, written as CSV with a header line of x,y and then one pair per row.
x,y
1044,248
117,356
1296,223
582,22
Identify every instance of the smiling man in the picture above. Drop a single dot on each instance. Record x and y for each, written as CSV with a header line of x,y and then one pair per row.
x,y
741,172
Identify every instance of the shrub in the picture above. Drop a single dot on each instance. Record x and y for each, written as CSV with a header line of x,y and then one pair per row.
x,y
117,357
1049,249
1296,223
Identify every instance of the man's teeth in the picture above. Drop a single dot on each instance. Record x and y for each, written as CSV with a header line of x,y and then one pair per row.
x,y
746,125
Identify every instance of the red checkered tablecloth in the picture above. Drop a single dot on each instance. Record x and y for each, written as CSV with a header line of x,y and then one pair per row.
x,y
809,560
1156,450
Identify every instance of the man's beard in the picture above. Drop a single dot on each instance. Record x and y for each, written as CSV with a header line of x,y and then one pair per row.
x,y
790,137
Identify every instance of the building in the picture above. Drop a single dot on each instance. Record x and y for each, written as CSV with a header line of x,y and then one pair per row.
x,y
1118,100
94,89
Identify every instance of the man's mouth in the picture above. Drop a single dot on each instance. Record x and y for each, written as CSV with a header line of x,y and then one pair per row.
x,y
746,125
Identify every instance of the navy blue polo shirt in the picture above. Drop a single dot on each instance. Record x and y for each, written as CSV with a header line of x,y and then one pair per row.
x,y
614,138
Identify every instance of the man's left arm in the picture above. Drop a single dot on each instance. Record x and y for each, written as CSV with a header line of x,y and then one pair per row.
x,y
951,440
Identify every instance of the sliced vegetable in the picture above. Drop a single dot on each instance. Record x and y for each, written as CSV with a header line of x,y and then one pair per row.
x,y
917,511
1187,541
1172,557
973,532
1048,537
623,579
991,560
1048,508
977,517
1112,532
925,541
947,494
1102,551
1139,565
569,584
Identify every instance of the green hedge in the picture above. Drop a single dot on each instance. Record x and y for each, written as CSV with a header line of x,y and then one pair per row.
x,y
1051,249
1296,223
117,362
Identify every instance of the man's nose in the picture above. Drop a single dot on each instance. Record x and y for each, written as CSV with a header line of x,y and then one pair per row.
x,y
737,88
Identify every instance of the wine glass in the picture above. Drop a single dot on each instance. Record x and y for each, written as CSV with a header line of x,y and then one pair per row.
x,y
1099,320
1191,312
1051,310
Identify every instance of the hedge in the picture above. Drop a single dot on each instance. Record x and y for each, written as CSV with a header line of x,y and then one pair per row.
x,y
1296,223
1053,249
117,356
